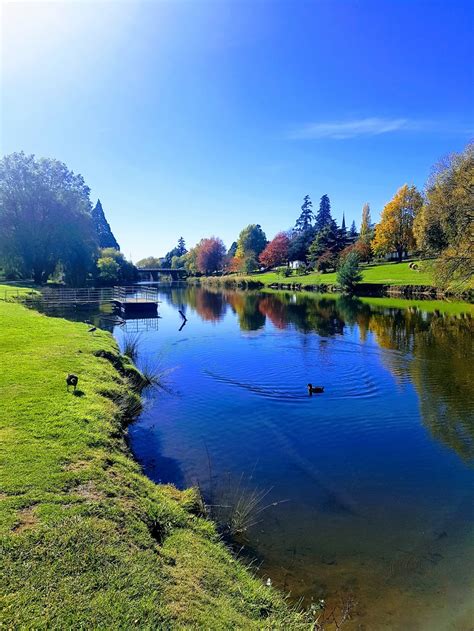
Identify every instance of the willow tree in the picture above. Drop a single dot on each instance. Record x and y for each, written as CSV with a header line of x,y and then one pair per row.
x,y
394,232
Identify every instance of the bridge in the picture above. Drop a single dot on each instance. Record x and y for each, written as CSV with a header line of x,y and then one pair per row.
x,y
153,274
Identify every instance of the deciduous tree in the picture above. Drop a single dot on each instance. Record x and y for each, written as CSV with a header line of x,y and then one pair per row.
x,y
276,252
445,224
45,218
394,232
251,239
210,255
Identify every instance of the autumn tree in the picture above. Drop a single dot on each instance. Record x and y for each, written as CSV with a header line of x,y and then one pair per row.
x,y
45,219
445,225
394,232
210,255
276,252
305,220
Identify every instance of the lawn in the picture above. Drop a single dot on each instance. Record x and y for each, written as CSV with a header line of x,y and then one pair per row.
x,y
87,540
386,274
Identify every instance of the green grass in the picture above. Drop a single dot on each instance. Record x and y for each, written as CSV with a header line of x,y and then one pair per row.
x,y
87,540
387,274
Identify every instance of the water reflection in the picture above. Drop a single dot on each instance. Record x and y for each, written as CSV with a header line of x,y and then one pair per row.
x,y
432,350
377,505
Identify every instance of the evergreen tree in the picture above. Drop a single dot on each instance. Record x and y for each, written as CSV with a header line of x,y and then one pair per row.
x,y
349,274
105,235
342,239
353,231
181,249
323,217
305,220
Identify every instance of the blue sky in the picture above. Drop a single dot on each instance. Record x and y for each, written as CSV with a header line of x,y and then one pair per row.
x,y
197,118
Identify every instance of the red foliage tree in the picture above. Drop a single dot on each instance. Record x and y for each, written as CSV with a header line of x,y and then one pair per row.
x,y
210,255
276,252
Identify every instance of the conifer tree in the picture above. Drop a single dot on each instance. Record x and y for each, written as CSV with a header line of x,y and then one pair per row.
x,y
353,230
323,217
105,235
305,220
181,249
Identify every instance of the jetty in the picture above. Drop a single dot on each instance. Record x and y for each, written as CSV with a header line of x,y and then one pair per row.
x,y
129,300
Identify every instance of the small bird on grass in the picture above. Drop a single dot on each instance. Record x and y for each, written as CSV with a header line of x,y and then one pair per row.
x,y
92,329
72,380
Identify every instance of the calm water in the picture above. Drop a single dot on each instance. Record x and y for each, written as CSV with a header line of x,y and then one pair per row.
x,y
373,480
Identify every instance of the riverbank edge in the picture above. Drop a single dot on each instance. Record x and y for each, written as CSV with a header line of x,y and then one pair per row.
x,y
87,539
362,289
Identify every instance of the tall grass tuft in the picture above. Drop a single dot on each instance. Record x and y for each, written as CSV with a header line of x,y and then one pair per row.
x,y
236,506
130,345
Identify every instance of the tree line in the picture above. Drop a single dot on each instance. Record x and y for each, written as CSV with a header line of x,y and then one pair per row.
x,y
437,223
49,230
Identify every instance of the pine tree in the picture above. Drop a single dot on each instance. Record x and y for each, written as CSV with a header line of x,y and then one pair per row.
x,y
305,220
105,235
353,231
342,239
181,249
323,218
349,274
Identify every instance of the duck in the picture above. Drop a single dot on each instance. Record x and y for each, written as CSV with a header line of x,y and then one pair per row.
x,y
315,389
72,380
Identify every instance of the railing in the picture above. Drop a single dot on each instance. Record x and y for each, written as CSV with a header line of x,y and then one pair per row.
x,y
81,295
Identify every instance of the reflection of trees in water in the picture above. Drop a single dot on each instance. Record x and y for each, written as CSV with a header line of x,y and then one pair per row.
x,y
210,305
305,313
441,371
246,306
435,352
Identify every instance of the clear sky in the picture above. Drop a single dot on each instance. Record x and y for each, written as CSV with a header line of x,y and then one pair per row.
x,y
196,118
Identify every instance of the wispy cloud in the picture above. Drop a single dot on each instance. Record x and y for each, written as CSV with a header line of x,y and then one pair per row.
x,y
340,130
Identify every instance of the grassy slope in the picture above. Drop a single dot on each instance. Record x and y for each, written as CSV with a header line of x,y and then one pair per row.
x,y
387,274
88,541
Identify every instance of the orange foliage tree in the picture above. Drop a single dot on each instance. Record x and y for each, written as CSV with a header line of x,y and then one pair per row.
x,y
394,233
276,252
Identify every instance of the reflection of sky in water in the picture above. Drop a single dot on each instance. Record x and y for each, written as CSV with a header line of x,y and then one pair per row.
x,y
379,488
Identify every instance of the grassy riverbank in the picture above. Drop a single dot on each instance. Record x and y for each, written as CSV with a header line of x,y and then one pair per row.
x,y
386,274
87,540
